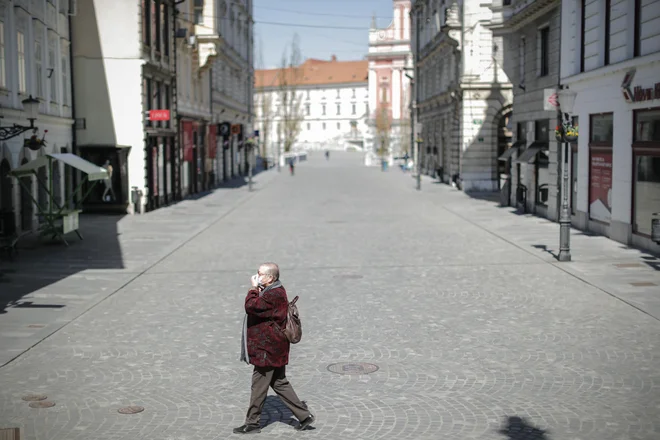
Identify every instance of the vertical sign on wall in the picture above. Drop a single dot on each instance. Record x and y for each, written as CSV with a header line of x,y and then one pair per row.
x,y
600,187
212,141
187,141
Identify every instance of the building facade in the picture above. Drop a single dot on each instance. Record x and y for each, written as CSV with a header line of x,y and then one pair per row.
x,y
333,102
390,73
610,59
123,69
231,46
530,170
34,61
194,73
465,97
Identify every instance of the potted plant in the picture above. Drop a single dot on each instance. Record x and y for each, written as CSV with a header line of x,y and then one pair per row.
x,y
34,143
570,133
559,133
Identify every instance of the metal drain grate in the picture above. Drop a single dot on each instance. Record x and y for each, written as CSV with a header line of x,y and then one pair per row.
x,y
42,404
34,397
351,368
628,265
643,284
130,410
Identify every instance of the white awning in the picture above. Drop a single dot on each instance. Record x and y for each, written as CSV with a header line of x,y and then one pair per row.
x,y
94,172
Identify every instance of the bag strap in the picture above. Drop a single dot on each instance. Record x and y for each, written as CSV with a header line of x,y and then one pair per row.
x,y
294,301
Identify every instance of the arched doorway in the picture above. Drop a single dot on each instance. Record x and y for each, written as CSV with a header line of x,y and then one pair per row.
x,y
7,225
27,208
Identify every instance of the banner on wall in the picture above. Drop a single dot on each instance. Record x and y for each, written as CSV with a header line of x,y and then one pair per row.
x,y
600,187
187,129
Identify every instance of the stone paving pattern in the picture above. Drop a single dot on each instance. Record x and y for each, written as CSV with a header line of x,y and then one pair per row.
x,y
467,320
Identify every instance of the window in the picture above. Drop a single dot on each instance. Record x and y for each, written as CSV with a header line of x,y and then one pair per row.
x,y
338,93
646,171
167,101
146,22
22,74
601,136
309,126
65,79
323,109
544,48
52,69
307,94
324,125
338,125
608,8
353,109
521,62
541,130
155,10
166,29
583,31
307,109
637,32
542,163
521,132
353,93
383,93
38,68
3,77
366,106
338,109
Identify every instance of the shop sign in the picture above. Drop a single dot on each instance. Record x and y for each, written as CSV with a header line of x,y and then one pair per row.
x,y
187,140
638,93
159,115
236,129
600,187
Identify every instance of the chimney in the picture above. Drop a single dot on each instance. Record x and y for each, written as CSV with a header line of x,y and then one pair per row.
x,y
333,58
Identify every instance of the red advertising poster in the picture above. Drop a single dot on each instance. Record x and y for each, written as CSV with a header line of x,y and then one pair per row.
x,y
187,130
212,141
600,187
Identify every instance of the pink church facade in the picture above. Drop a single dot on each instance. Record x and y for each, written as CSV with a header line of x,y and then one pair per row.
x,y
389,88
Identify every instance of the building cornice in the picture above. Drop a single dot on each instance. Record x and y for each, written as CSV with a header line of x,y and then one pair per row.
x,y
513,19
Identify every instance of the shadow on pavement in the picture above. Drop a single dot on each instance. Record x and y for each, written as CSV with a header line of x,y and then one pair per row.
x,y
41,262
517,428
236,182
276,411
544,248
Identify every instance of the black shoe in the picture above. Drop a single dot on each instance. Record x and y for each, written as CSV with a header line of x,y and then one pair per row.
x,y
248,429
305,423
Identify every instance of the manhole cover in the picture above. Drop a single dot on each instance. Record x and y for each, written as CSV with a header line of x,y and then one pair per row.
x,y
130,410
36,326
627,265
352,368
42,404
349,276
34,397
643,284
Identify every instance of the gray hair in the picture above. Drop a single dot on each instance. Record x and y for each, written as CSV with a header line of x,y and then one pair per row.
x,y
271,269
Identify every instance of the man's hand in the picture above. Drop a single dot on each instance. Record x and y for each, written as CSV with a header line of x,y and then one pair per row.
x,y
254,280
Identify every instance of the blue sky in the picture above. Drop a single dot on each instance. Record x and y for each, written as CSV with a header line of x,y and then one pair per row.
x,y
322,42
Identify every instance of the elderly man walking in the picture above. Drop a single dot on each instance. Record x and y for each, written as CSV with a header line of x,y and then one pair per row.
x,y
265,346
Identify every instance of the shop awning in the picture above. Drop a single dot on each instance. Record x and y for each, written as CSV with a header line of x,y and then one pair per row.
x,y
508,153
529,155
94,172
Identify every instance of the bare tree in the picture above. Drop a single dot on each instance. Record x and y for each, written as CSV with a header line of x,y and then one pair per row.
x,y
264,103
383,130
290,109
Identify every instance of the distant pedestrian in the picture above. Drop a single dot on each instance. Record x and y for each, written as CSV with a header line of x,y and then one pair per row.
x,y
291,165
327,155
265,346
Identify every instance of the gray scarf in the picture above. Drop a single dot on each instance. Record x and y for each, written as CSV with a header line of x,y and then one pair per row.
x,y
244,351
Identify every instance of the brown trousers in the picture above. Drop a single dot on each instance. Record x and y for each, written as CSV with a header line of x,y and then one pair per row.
x,y
262,378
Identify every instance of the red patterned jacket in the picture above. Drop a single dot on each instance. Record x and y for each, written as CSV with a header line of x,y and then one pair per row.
x,y
267,314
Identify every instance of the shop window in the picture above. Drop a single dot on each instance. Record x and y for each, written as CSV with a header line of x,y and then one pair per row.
x,y
600,167
646,172
541,130
146,22
323,109
544,51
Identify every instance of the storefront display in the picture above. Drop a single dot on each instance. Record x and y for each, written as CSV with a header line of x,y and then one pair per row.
x,y
646,183
600,187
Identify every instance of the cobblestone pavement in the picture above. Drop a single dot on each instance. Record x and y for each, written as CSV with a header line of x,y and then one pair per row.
x,y
467,322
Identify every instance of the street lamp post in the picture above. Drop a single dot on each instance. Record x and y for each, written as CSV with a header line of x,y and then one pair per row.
x,y
31,108
566,104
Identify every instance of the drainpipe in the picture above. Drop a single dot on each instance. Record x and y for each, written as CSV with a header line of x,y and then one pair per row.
x,y
74,142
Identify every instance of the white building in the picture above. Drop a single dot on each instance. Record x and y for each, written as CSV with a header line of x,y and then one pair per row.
x,y
34,60
390,69
610,57
123,68
334,104
463,98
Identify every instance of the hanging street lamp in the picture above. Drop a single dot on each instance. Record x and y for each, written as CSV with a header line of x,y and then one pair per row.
x,y
31,109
